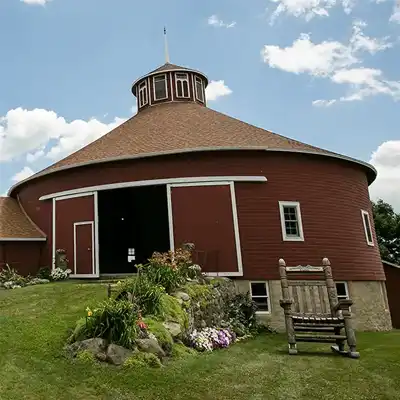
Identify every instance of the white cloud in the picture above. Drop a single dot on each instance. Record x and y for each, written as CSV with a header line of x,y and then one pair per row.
x,y
304,56
36,2
309,8
25,173
336,61
42,132
386,159
214,21
323,103
395,17
216,89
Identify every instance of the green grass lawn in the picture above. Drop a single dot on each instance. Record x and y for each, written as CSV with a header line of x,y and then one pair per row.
x,y
33,328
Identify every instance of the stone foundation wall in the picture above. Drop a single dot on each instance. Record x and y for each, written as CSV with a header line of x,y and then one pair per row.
x,y
370,309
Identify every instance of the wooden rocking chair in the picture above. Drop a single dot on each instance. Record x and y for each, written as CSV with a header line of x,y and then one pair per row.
x,y
312,310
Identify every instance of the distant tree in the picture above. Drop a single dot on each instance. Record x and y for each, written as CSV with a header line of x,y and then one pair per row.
x,y
387,227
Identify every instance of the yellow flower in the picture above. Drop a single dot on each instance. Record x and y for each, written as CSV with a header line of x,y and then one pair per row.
x,y
89,313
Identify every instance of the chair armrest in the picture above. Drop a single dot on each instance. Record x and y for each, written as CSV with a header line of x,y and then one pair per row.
x,y
344,305
286,303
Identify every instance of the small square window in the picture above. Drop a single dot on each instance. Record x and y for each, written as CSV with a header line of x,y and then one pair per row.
x,y
259,294
367,227
291,223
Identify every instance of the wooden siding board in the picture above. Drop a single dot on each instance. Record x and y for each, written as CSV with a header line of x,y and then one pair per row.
x,y
331,194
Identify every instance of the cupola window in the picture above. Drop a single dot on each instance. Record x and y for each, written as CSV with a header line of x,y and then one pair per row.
x,y
143,99
182,85
160,87
199,89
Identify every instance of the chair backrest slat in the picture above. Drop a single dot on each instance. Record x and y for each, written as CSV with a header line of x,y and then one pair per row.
x,y
316,296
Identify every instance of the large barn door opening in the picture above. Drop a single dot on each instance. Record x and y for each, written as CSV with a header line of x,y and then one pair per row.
x,y
133,223
205,214
74,231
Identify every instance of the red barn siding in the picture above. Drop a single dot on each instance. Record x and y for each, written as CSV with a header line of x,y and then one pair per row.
x,y
331,193
78,209
393,293
25,257
203,215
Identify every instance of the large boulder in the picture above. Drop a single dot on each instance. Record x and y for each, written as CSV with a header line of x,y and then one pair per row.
x,y
150,346
95,346
117,355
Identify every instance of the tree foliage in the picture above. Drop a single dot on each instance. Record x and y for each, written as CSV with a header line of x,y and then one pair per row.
x,y
387,227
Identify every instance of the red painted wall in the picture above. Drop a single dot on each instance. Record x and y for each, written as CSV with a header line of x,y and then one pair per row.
x,y
203,215
331,193
25,257
68,211
393,293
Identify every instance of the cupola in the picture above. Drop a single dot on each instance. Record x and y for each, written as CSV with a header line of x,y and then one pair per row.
x,y
170,83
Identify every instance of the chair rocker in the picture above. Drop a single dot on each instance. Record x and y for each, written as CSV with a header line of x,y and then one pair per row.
x,y
312,310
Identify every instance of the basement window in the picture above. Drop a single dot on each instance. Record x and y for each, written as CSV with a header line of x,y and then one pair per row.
x,y
367,227
182,85
143,98
260,295
199,89
342,290
160,87
292,228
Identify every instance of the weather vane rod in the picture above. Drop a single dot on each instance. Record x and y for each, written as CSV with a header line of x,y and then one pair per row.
x,y
166,45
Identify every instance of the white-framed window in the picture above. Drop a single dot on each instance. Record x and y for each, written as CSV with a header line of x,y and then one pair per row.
x,y
160,87
182,85
260,295
342,290
367,227
143,97
292,227
199,89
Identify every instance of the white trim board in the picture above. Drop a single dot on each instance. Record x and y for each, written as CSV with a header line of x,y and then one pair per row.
x,y
15,239
89,190
76,224
234,216
366,228
390,264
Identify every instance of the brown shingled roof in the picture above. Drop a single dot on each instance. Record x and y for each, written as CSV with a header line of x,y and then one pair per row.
x,y
14,224
167,67
176,127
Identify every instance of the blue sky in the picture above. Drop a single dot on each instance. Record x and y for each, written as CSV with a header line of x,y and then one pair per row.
x,y
326,72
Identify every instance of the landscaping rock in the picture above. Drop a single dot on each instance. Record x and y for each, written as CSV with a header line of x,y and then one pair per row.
x,y
96,346
117,355
182,295
173,328
150,346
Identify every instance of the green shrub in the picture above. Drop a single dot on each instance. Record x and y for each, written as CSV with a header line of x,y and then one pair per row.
x,y
115,321
144,294
179,350
161,333
143,359
242,314
9,274
171,269
44,273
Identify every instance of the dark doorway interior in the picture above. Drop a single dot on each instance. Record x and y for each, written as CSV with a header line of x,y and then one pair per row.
x,y
131,218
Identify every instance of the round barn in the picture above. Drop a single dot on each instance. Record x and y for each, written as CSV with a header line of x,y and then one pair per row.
x,y
181,172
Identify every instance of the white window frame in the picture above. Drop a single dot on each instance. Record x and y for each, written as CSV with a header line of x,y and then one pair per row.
x,y
285,237
142,87
267,296
166,87
363,213
198,79
182,80
346,288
